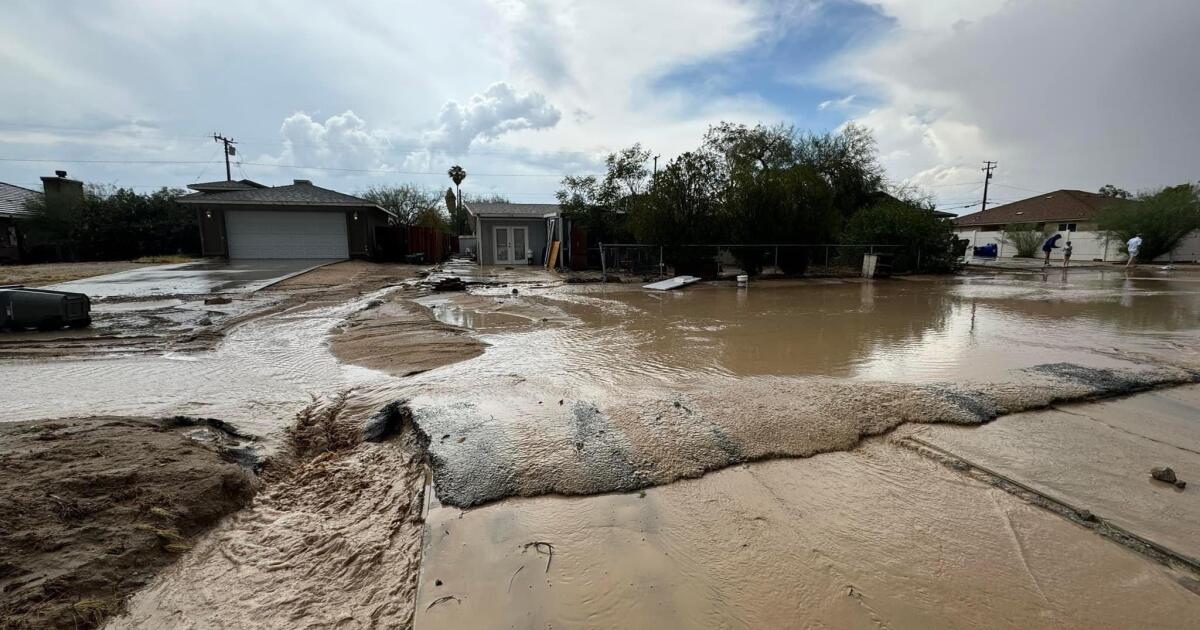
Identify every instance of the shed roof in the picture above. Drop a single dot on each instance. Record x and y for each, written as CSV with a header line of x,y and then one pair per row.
x,y
1060,205
13,200
301,193
513,210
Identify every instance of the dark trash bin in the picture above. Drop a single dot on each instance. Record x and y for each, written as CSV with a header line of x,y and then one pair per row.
x,y
44,309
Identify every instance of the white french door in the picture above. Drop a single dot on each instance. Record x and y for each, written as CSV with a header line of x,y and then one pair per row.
x,y
511,245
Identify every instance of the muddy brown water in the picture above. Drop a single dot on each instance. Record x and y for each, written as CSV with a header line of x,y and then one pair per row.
x,y
873,538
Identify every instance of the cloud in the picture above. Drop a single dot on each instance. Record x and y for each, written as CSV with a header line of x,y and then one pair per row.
x,y
1032,85
500,109
840,103
341,141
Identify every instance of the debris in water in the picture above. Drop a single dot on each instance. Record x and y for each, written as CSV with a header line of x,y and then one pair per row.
x,y
204,321
515,292
437,582
453,283
1164,473
443,598
217,300
538,546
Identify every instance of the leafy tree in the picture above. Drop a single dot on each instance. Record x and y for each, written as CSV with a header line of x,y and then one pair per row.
x,y
115,224
407,201
921,234
849,162
1108,190
1162,217
1025,237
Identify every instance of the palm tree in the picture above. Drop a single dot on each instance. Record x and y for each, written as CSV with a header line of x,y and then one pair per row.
x,y
457,175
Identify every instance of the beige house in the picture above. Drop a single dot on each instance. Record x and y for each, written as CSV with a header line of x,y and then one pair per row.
x,y
1071,213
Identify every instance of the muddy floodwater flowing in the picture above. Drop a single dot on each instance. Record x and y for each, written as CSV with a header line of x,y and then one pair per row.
x,y
796,453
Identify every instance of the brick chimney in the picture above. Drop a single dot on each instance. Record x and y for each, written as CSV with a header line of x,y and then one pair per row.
x,y
302,182
61,191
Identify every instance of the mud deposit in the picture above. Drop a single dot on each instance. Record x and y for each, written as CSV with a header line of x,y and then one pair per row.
x,y
878,537
91,509
398,336
332,543
580,448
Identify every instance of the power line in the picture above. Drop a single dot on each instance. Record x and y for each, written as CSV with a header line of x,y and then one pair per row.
x,y
273,165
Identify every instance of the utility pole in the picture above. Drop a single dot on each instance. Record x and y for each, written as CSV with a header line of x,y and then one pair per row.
x,y
988,167
656,165
230,149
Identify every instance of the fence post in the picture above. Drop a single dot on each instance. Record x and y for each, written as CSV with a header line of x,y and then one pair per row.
x,y
918,260
603,268
826,258
776,259
662,269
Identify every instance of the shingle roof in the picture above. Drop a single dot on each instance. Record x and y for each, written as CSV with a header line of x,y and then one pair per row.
x,y
300,194
223,185
13,199
513,210
1060,205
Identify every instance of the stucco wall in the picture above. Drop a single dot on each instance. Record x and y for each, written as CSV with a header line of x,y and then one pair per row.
x,y
1087,245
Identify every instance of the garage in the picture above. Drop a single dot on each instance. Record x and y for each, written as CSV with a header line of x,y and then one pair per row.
x,y
246,220
282,234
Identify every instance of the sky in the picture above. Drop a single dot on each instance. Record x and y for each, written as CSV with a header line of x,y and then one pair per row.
x,y
1060,93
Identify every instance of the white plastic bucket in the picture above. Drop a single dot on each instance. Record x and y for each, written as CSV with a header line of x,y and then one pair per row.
x,y
742,280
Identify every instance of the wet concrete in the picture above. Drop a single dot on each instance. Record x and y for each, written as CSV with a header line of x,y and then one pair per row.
x,y
196,278
878,537
1098,457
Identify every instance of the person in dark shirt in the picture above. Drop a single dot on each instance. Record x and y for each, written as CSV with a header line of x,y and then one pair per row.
x,y
1049,246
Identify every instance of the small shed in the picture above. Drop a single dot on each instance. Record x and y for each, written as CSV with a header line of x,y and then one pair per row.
x,y
515,233
247,220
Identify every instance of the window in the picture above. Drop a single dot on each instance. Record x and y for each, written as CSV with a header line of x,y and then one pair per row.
x,y
1066,227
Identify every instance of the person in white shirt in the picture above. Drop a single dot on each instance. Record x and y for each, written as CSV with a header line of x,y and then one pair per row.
x,y
1132,247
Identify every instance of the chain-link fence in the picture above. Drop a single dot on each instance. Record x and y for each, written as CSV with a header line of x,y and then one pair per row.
x,y
708,261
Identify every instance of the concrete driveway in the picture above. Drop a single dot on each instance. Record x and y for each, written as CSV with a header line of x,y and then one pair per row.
x,y
195,278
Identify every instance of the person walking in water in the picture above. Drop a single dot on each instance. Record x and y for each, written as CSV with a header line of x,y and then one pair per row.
x,y
1067,255
1049,246
1132,247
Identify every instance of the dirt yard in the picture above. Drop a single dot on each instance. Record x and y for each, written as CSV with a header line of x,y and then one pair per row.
x,y
53,273
94,508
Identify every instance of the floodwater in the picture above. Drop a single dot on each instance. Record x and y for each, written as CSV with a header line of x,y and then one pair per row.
x,y
257,378
878,537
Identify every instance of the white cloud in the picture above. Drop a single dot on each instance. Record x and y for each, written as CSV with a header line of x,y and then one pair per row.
x,y
499,110
341,141
1062,94
839,103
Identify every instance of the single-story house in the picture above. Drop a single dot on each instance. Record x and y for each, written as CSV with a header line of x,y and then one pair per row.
x,y
12,215
1073,213
244,219
516,233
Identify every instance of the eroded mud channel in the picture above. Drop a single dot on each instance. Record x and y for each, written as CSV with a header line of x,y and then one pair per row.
x,y
910,453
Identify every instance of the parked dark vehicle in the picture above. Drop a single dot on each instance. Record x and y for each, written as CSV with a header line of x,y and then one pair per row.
x,y
21,307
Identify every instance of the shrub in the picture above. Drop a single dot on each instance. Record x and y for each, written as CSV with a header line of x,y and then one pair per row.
x,y
1025,237
927,242
1163,218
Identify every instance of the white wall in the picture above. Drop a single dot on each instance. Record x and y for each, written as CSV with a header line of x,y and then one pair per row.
x,y
1086,246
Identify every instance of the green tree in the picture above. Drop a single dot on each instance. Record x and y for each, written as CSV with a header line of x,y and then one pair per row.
x,y
408,202
1162,217
116,224
1025,237
927,242
848,161
1108,190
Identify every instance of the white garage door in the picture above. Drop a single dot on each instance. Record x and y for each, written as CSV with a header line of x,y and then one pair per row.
x,y
271,234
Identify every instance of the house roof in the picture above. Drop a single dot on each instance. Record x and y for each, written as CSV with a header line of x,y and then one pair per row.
x,y
513,210
13,199
301,193
1060,205
223,185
